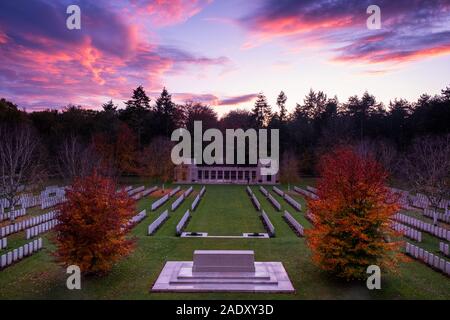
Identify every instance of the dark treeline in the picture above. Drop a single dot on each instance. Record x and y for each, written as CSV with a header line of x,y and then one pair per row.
x,y
315,125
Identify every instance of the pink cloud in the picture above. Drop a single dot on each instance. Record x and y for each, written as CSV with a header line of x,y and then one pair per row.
x,y
169,12
410,30
43,62
214,100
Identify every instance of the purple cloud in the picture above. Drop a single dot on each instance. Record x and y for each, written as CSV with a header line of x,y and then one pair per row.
x,y
410,29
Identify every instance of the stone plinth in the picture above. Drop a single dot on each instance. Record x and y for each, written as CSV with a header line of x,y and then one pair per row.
x,y
224,261
225,271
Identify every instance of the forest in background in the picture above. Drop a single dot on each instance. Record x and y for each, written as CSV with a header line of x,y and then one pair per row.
x,y
135,140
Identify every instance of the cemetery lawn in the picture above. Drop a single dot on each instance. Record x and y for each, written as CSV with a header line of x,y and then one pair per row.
x,y
224,210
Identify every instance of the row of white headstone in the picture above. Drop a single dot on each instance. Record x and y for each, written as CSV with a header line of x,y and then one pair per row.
x,y
183,222
202,191
311,189
53,191
444,204
158,222
29,201
135,190
278,191
274,202
188,191
4,203
19,226
420,201
310,216
402,198
3,243
444,248
436,231
434,261
268,224
297,206
13,214
439,215
253,198
53,201
137,218
409,201
178,202
294,223
125,189
40,228
306,193
407,231
263,191
174,191
198,198
18,254
158,203
144,193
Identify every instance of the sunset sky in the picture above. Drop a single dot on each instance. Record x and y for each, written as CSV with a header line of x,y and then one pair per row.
x,y
220,52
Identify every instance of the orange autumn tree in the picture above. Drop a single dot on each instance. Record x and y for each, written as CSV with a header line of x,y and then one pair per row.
x,y
92,230
352,216
119,152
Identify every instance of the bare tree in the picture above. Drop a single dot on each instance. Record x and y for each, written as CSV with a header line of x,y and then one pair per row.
x,y
155,159
20,162
76,159
382,151
427,169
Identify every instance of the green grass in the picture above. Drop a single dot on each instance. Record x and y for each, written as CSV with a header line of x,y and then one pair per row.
x,y
224,210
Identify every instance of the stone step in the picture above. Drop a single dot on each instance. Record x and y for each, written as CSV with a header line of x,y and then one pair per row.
x,y
223,281
218,275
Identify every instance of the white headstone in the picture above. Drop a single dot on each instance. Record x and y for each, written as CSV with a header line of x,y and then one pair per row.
x,y
425,256
3,261
436,262
442,265
430,259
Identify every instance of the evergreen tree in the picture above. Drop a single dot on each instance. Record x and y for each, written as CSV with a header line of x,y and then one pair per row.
x,y
136,111
139,100
261,111
446,93
313,106
362,110
166,113
281,103
109,107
